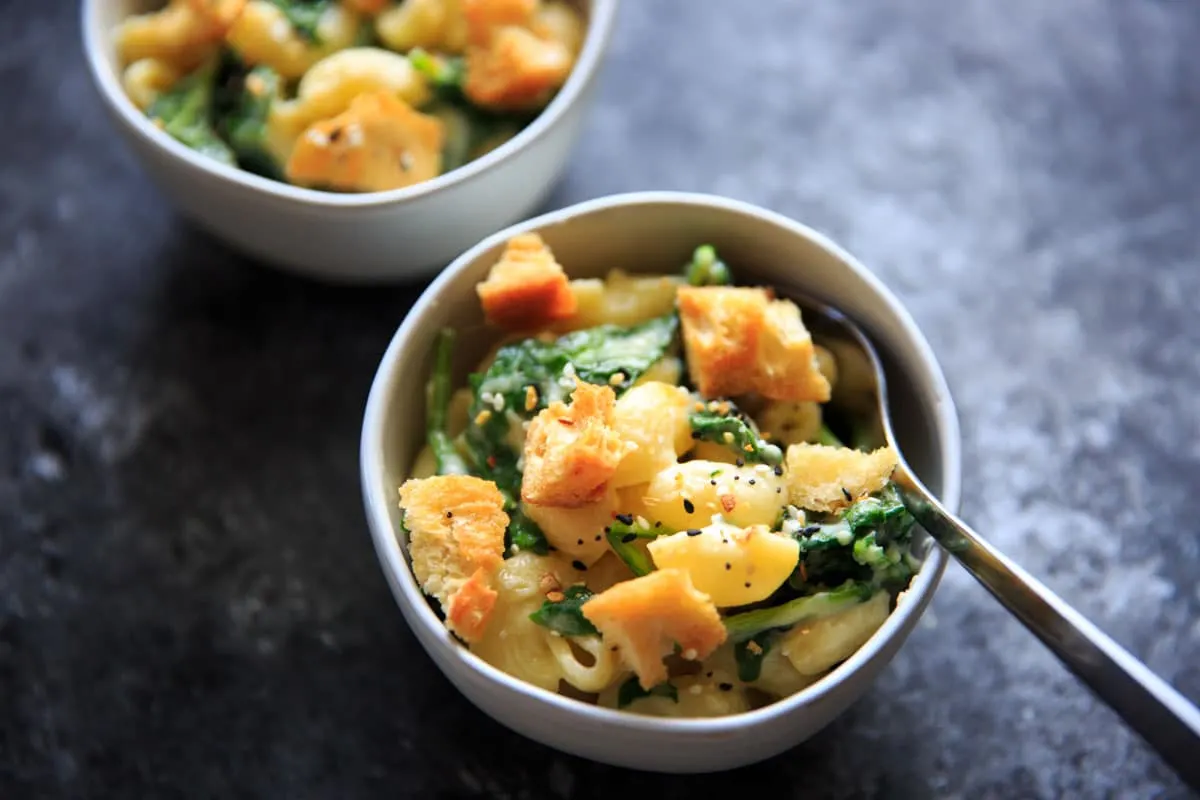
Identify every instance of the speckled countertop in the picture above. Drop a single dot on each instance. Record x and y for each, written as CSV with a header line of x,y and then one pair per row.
x,y
189,601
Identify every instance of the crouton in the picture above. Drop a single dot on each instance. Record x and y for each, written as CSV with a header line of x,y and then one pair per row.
x,y
485,16
456,527
820,477
645,617
471,606
527,288
379,143
571,451
788,368
515,70
739,341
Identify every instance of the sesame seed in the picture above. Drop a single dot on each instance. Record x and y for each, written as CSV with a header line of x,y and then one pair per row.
x,y
616,379
531,398
846,494
642,523
580,541
695,688
728,437
727,564
747,584
778,469
778,490
579,565
354,135
737,477
725,687
688,506
708,674
740,462
449,515
690,654
658,524
696,434
693,532
318,138
713,482
629,537
406,161
625,519
598,537
750,481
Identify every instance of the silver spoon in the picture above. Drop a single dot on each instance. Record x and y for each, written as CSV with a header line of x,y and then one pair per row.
x,y
1166,719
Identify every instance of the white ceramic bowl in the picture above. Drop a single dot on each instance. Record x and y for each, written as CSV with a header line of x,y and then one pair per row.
x,y
656,232
379,236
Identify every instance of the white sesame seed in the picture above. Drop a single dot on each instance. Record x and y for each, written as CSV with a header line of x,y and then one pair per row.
x,y
281,29
354,135
695,688
690,654
318,138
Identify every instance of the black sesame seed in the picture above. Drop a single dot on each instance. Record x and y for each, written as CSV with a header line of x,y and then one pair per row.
x,y
725,687
580,541
629,537
695,434
449,515
693,532
810,529
579,565
741,462
737,477
747,584
688,506
846,494
778,469
598,537
712,483
728,565
778,490
607,529
658,524
625,519
750,481
708,674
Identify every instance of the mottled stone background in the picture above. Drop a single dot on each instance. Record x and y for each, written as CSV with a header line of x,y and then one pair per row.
x,y
189,603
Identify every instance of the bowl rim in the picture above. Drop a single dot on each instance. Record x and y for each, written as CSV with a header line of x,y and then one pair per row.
x,y
106,75
407,592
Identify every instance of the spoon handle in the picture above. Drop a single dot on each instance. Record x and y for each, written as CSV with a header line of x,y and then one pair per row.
x,y
1164,717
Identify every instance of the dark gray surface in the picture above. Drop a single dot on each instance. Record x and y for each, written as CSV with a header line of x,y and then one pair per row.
x,y
189,602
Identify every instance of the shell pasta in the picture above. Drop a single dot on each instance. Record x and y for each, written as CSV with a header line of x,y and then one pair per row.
x,y
682,532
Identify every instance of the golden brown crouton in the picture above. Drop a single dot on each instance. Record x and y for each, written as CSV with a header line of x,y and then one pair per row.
x,y
527,288
456,527
515,69
379,143
788,368
646,616
571,451
471,606
739,341
819,477
485,16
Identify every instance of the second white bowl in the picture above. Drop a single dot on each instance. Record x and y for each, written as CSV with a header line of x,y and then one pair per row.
x,y
655,233
381,236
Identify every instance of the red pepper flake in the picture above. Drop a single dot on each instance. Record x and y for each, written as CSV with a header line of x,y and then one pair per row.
x,y
728,502
491,461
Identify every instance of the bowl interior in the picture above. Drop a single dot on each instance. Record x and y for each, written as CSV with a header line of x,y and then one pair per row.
x,y
658,237
101,16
